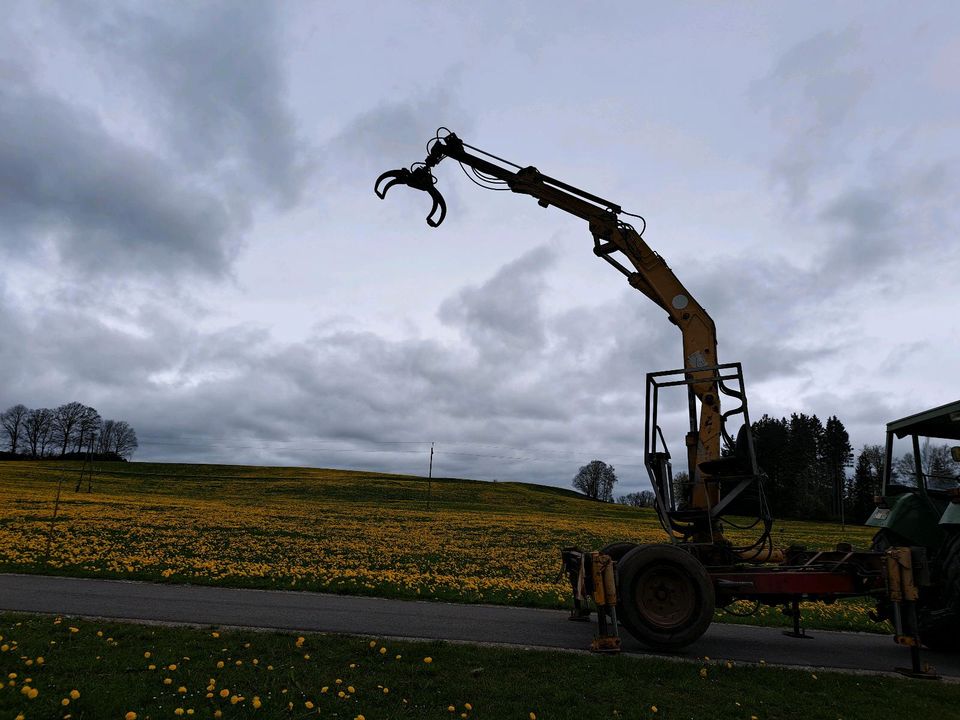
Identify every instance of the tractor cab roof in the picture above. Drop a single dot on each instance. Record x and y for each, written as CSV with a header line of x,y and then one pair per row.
x,y
940,422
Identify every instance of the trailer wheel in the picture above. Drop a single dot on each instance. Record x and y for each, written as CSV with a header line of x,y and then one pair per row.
x,y
616,550
666,596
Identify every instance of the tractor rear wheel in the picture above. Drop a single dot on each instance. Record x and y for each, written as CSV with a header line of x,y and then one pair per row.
x,y
939,615
666,596
943,632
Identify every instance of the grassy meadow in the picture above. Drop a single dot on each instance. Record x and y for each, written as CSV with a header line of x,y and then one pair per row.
x,y
333,531
68,669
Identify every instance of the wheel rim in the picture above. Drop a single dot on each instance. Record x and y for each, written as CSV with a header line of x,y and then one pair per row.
x,y
665,596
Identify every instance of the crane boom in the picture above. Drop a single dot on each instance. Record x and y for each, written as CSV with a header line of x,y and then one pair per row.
x,y
650,275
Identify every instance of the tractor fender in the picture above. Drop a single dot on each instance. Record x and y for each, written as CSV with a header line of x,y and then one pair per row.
x,y
951,516
911,518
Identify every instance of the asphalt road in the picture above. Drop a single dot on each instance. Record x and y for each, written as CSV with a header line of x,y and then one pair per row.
x,y
302,611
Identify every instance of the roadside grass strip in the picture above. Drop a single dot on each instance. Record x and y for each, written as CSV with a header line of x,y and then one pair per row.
x,y
64,668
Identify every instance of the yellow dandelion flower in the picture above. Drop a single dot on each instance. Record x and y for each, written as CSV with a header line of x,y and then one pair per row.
x,y
234,699
703,672
383,651
653,709
130,716
428,660
373,643
171,667
308,705
147,654
65,702
451,708
74,694
398,657
386,691
224,692
215,634
182,690
324,689
168,681
76,630
468,706
178,711
533,716
218,714
151,667
219,664
256,703
350,689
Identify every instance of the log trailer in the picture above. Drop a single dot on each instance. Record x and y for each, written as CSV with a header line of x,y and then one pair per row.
x,y
665,594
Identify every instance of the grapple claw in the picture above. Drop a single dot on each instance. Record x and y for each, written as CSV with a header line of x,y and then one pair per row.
x,y
420,179
399,176
438,203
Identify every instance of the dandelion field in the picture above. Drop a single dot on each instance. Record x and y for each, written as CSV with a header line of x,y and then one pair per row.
x,y
67,669
332,531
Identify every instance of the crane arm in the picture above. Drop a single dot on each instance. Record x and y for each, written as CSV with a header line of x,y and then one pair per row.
x,y
612,238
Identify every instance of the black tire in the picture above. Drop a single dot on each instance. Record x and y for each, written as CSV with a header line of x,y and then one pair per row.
x,y
942,631
618,549
666,596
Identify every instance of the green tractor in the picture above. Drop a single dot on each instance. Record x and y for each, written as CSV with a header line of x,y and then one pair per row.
x,y
920,508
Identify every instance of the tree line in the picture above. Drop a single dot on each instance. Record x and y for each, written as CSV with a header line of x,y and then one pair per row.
x,y
71,430
806,462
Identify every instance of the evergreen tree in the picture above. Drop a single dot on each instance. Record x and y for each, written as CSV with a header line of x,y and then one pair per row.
x,y
770,442
866,483
836,455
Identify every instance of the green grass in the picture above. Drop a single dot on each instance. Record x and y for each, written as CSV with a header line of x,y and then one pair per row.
x,y
106,663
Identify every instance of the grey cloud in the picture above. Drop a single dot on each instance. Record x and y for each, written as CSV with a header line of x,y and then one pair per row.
x,y
212,78
905,212
204,86
503,316
103,204
810,93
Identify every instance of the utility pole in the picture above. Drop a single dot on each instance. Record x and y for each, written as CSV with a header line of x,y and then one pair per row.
x,y
430,478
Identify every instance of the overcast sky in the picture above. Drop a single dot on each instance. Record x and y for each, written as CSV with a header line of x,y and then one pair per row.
x,y
189,238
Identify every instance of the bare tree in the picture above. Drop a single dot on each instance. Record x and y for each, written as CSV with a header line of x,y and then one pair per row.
x,y
124,440
87,428
12,421
105,438
596,480
37,430
642,499
66,418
